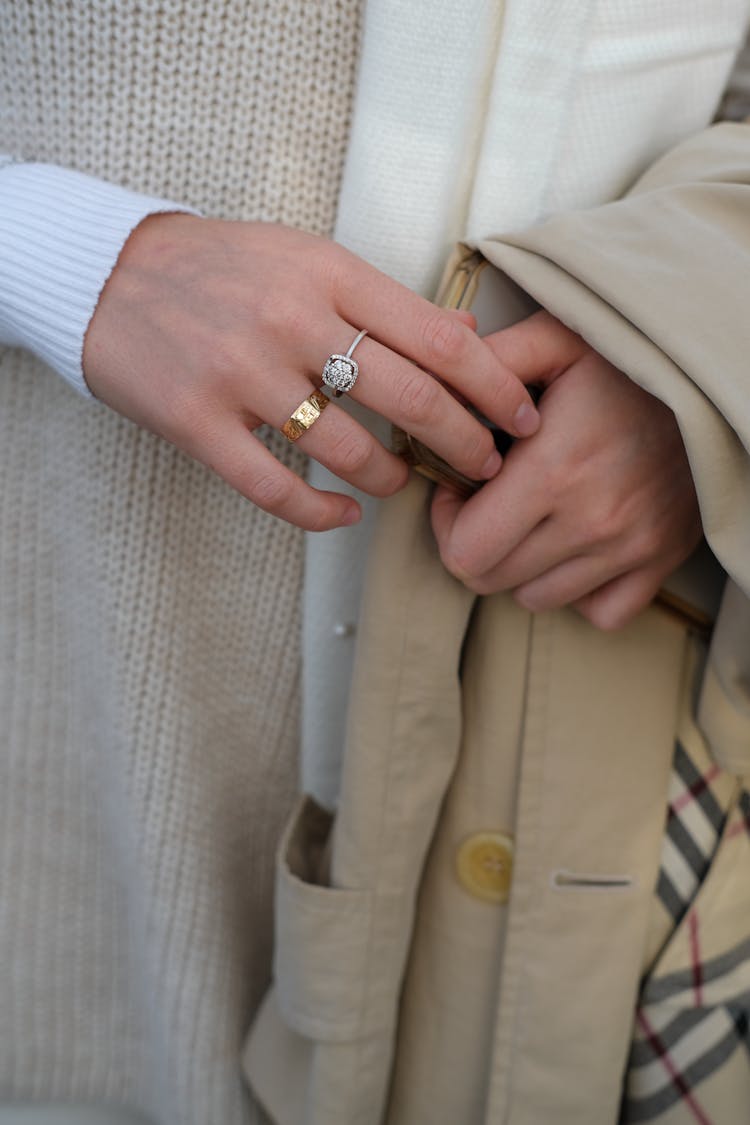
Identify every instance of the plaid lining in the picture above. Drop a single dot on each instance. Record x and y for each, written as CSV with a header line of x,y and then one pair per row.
x,y
691,1022
695,820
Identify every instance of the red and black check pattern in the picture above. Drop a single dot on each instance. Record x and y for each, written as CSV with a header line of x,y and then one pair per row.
x,y
692,1022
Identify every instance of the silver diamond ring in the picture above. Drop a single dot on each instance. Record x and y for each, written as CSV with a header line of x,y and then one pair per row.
x,y
341,371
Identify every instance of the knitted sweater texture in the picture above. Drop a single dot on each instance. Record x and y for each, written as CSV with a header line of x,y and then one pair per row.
x,y
149,636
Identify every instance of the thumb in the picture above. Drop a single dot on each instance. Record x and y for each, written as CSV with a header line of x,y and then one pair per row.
x,y
537,349
465,317
444,512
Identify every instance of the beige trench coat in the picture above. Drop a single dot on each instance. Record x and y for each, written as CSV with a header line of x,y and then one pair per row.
x,y
473,715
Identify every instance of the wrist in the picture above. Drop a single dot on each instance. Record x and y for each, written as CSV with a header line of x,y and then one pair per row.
x,y
60,235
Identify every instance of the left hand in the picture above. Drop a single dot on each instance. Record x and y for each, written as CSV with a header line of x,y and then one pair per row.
x,y
596,509
206,328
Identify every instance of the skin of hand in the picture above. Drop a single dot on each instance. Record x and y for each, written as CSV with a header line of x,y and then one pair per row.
x,y
596,509
206,329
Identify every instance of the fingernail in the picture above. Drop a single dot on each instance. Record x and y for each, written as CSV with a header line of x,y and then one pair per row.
x,y
526,420
351,515
491,465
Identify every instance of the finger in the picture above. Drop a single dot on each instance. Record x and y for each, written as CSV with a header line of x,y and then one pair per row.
x,y
245,463
476,535
617,602
465,317
435,340
445,509
389,385
567,583
547,546
537,349
335,439
419,404
351,452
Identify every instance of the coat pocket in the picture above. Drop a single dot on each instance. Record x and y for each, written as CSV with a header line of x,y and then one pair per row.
x,y
319,1052
323,936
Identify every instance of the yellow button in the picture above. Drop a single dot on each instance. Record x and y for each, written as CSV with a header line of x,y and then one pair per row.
x,y
484,864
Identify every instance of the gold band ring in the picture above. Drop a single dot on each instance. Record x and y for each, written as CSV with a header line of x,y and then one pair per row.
x,y
305,415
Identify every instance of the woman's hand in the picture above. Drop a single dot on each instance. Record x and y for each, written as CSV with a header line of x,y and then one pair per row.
x,y
206,329
596,509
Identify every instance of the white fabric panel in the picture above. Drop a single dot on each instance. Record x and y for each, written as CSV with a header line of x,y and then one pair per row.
x,y
588,93
478,118
423,85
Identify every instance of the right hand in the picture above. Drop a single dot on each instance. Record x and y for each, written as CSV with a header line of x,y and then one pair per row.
x,y
206,329
597,509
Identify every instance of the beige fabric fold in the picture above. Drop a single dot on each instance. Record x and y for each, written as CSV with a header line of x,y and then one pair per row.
x,y
425,766
557,732
657,282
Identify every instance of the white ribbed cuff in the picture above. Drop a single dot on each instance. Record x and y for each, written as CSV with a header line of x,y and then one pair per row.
x,y
60,236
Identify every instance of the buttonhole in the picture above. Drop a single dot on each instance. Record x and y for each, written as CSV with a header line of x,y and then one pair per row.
x,y
569,880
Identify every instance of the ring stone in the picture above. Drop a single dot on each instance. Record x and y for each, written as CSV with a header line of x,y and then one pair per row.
x,y
341,371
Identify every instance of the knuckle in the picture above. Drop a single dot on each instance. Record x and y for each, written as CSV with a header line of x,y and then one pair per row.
x,y
595,521
186,411
228,358
270,491
292,322
502,394
273,316
443,338
644,544
550,478
477,447
418,398
588,530
317,520
189,417
351,453
606,522
330,266
534,346
392,483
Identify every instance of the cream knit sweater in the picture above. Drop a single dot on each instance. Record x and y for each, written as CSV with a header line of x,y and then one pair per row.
x,y
149,617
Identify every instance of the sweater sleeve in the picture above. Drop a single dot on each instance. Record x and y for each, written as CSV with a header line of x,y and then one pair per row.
x,y
61,233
